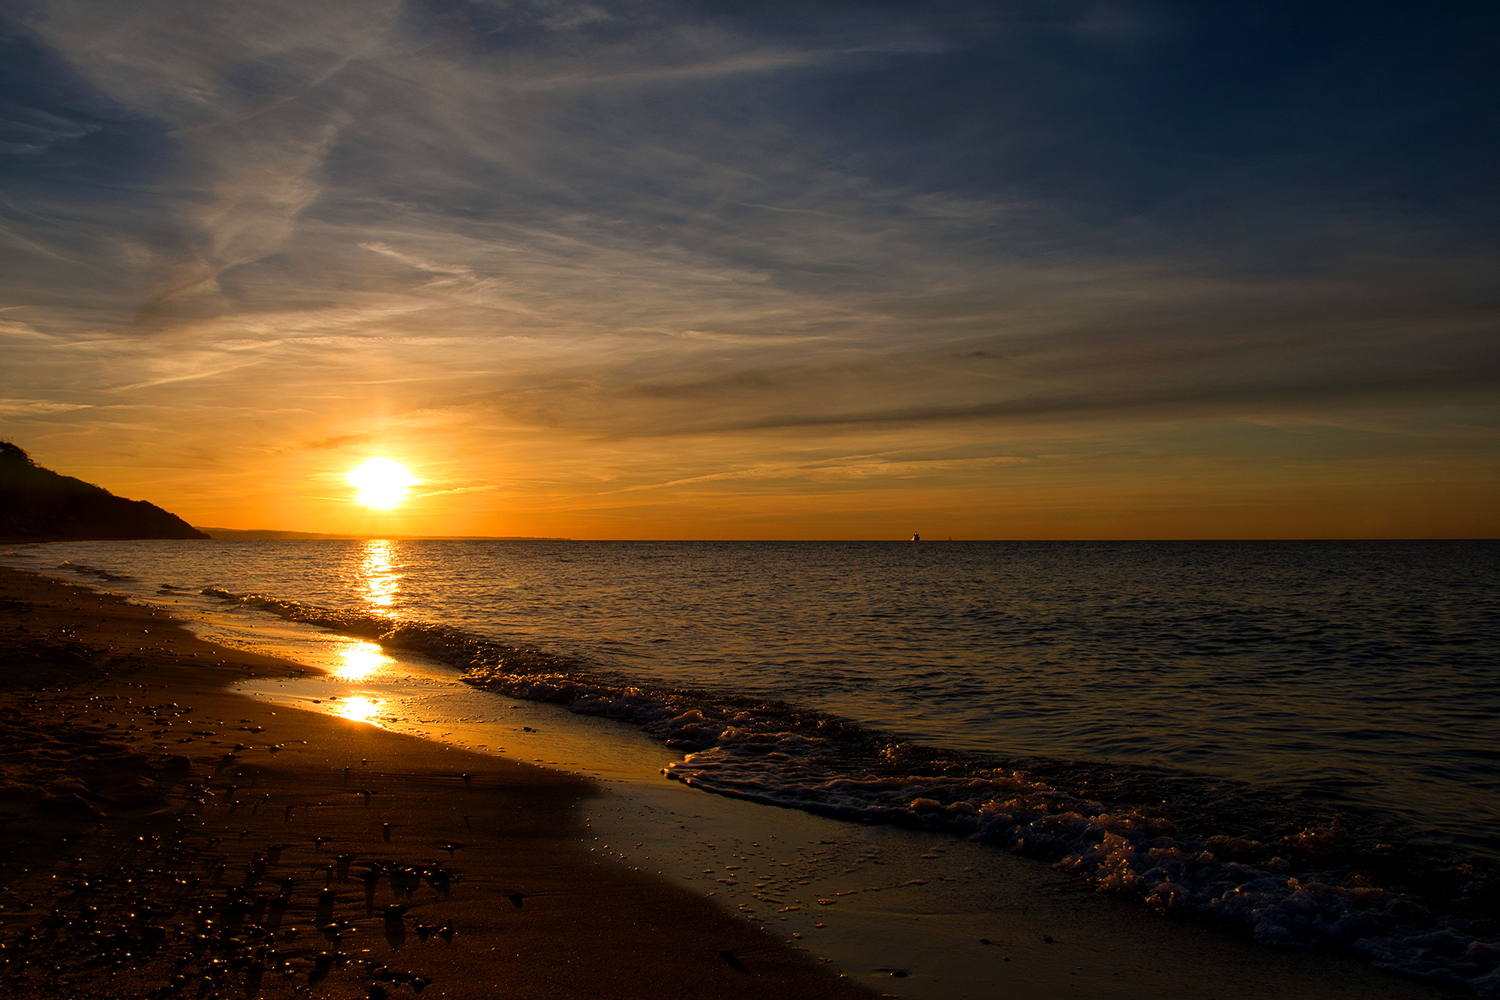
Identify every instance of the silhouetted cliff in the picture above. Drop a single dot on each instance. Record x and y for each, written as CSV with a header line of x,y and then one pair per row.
x,y
37,504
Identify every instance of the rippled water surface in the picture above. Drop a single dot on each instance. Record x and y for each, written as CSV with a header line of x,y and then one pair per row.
x,y
1351,672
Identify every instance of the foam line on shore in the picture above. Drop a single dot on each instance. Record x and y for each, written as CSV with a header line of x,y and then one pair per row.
x,y
1285,881
169,836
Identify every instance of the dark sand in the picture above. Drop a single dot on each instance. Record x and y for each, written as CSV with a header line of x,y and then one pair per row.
x,y
165,837
168,838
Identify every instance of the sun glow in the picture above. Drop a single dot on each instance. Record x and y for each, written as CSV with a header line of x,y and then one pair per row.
x,y
382,483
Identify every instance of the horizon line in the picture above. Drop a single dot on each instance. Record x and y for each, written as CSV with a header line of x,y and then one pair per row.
x,y
274,534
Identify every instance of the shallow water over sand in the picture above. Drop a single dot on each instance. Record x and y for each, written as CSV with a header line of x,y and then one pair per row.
x,y
1274,683
906,913
1351,674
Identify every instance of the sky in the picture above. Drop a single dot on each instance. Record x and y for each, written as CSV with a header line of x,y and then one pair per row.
x,y
768,269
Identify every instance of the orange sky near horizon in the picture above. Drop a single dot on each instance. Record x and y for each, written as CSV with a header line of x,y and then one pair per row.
x,y
802,271
1044,497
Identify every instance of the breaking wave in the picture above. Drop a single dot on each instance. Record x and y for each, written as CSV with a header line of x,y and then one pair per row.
x,y
1189,846
102,574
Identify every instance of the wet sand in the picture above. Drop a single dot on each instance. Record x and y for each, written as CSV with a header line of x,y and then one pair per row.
x,y
170,838
166,837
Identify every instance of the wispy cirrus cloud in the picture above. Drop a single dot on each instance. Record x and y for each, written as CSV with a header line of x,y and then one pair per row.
x,y
646,247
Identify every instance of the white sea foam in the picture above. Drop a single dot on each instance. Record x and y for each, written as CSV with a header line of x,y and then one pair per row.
x,y
774,754
1235,660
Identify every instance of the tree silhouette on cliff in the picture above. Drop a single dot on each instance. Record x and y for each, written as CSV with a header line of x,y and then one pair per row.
x,y
37,504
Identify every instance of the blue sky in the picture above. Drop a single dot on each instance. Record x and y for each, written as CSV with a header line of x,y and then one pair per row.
x,y
760,270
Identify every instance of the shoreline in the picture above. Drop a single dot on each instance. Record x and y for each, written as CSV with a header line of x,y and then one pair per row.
x,y
1055,938
172,837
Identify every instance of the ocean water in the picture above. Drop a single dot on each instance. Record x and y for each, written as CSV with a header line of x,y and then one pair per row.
x,y
1292,740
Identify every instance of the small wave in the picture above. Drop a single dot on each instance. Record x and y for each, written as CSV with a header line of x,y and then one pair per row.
x,y
102,574
1188,846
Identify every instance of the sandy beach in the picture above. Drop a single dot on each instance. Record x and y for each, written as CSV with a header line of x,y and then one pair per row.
x,y
168,838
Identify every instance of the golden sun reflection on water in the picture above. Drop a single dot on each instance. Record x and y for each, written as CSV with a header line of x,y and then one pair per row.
x,y
378,573
359,708
361,659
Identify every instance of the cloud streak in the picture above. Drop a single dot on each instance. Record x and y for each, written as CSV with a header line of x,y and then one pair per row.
x,y
636,250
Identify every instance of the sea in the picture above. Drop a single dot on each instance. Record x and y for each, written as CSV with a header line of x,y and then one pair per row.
x,y
1295,742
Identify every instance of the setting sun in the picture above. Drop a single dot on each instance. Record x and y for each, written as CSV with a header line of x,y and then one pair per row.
x,y
382,483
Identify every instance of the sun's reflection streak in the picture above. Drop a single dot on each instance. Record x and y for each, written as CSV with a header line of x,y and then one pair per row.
x,y
380,577
361,660
359,708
